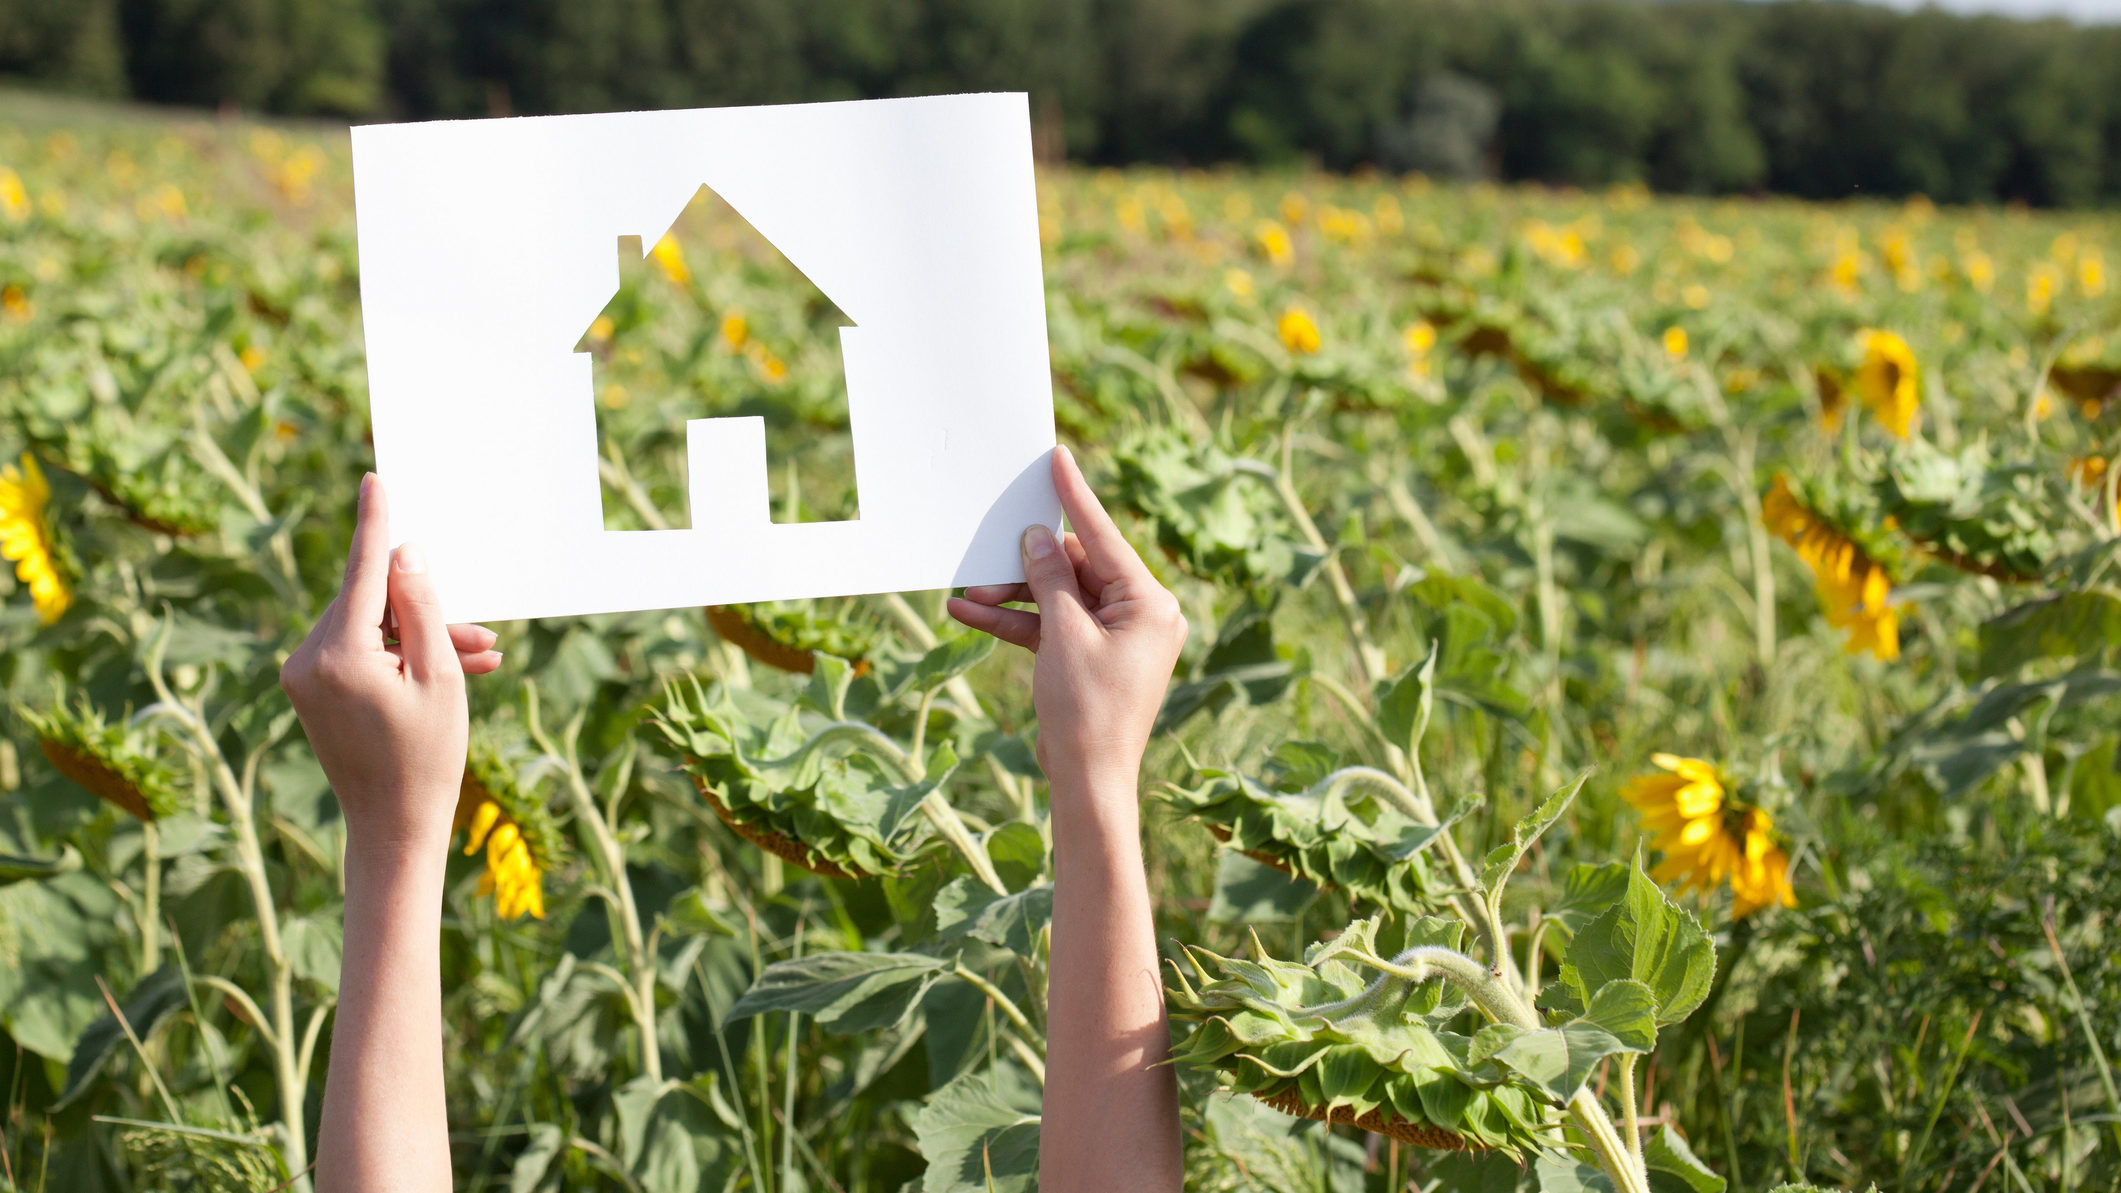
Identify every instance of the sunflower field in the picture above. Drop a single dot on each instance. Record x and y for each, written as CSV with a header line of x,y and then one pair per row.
x,y
1650,720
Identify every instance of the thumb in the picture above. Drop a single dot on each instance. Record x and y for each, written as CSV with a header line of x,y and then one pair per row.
x,y
423,637
1050,575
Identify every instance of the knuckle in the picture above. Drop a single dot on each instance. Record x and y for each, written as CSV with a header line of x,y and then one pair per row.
x,y
294,673
332,672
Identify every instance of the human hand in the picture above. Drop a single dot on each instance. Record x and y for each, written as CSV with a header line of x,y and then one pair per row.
x,y
388,720
1106,635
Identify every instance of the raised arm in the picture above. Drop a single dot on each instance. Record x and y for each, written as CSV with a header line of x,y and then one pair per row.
x,y
389,725
1106,635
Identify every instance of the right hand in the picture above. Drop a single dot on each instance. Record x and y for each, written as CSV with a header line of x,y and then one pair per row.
x,y
1105,633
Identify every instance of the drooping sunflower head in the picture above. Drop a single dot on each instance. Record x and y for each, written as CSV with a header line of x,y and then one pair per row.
x,y
1311,1039
113,761
1888,380
789,635
26,537
1855,587
510,822
1708,835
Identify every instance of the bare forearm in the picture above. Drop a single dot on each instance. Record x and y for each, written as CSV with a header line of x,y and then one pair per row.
x,y
1111,1107
384,1128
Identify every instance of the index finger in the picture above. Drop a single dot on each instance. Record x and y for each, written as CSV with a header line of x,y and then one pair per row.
x,y
1109,553
366,589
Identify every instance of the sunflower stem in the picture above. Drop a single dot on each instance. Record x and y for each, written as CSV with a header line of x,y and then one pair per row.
x,y
1369,660
1024,1041
1018,789
1597,1128
1493,995
1630,1122
1758,547
605,848
150,898
947,823
235,797
952,829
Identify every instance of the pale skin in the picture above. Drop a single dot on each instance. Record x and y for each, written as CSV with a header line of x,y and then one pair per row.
x,y
388,722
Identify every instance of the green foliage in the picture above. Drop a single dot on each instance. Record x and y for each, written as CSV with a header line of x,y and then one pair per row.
x,y
1270,1028
1331,824
1643,937
1936,966
1215,518
1542,554
980,1133
839,793
158,996
1975,513
847,991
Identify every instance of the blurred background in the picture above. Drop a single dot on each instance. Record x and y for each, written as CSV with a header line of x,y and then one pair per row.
x,y
1801,98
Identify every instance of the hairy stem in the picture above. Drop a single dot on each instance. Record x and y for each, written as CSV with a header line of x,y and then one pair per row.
x,y
605,848
947,823
150,898
1369,659
1597,1128
915,627
1495,997
1630,1120
236,800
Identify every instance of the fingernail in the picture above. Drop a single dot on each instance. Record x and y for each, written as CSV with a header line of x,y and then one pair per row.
x,y
368,479
410,559
1039,542
1065,454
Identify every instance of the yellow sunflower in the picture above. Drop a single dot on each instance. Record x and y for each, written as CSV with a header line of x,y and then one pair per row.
x,y
1273,240
671,257
1708,838
513,875
1854,590
26,538
1298,333
1888,380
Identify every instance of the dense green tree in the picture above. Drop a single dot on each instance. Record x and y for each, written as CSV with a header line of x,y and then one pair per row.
x,y
1822,98
69,44
297,56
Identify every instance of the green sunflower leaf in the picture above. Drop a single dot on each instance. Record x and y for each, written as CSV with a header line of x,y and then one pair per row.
x,y
968,907
2070,625
1403,708
1502,860
1587,891
979,1133
949,659
1646,938
847,992
15,868
1674,1168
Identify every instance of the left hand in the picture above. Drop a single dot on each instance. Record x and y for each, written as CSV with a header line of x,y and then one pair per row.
x,y
388,720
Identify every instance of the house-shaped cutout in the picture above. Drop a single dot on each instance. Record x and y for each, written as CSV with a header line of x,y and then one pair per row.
x,y
705,326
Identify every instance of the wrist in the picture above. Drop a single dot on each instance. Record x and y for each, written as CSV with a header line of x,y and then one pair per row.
x,y
374,862
396,851
1100,810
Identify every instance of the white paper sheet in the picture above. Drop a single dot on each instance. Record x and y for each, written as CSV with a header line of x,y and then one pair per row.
x,y
486,247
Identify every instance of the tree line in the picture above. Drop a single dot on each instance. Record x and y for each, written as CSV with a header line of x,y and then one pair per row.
x,y
1820,98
